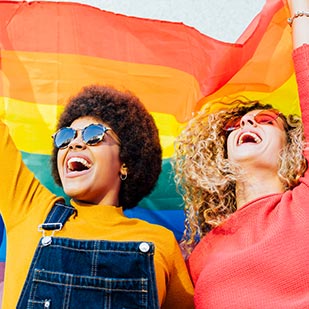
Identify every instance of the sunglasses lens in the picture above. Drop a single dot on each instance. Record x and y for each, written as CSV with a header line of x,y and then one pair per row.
x,y
93,134
265,117
63,137
232,124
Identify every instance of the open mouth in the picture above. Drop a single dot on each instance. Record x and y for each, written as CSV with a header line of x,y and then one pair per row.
x,y
248,137
77,164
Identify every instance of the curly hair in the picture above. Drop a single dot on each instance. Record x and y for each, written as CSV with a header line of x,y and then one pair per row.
x,y
207,179
140,147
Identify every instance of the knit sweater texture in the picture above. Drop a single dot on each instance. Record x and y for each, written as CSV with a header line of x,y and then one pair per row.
x,y
259,257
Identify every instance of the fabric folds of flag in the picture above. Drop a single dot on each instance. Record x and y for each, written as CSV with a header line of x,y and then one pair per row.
x,y
50,50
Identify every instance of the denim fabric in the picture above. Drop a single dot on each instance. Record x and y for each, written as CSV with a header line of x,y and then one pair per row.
x,y
70,273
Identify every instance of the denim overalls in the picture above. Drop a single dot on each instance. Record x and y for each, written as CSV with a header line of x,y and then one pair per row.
x,y
70,273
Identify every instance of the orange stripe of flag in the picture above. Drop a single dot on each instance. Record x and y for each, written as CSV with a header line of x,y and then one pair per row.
x,y
71,28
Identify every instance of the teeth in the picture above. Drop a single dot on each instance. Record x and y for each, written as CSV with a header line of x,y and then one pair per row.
x,y
71,162
255,137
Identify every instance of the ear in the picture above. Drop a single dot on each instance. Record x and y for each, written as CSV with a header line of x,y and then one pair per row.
x,y
123,169
123,172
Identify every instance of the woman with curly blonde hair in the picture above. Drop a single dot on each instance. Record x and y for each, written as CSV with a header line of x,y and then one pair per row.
x,y
243,174
208,178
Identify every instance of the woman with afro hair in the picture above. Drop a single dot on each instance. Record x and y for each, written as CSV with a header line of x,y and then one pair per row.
x,y
243,173
106,157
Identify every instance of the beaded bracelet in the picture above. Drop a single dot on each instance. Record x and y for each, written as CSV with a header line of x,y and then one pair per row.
x,y
297,14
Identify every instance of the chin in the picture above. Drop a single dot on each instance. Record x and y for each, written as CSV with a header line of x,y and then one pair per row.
x,y
245,157
72,192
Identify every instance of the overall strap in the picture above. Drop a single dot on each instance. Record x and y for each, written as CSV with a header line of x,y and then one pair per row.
x,y
58,216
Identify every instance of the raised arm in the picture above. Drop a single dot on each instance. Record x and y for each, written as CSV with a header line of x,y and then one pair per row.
x,y
19,187
299,21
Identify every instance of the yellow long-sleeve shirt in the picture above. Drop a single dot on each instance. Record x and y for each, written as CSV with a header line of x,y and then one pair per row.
x,y
25,203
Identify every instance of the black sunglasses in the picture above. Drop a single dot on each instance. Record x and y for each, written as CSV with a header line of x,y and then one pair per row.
x,y
91,135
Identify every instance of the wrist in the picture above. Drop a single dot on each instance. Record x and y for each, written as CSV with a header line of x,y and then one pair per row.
x,y
297,14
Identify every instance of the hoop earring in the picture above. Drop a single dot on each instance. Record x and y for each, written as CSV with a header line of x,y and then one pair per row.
x,y
124,172
123,177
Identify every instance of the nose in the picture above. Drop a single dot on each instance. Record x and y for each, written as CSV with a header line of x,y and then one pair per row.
x,y
248,120
77,142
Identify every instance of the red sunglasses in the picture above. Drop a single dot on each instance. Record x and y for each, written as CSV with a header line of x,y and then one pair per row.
x,y
263,117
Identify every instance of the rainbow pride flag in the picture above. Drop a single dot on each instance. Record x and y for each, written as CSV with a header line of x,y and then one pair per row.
x,y
49,50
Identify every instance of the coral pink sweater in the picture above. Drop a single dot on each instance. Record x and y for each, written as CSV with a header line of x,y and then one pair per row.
x,y
259,258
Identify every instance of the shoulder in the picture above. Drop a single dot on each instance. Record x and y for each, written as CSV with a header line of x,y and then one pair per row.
x,y
301,55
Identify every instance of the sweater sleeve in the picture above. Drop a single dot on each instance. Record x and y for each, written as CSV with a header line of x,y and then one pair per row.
x,y
19,187
301,63
180,289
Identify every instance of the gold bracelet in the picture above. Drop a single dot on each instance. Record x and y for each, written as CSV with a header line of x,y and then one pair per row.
x,y
297,14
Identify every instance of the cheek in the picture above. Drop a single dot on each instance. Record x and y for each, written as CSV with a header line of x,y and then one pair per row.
x,y
107,157
279,139
282,141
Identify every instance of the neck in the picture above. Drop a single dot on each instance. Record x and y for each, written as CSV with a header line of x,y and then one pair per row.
x,y
255,184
